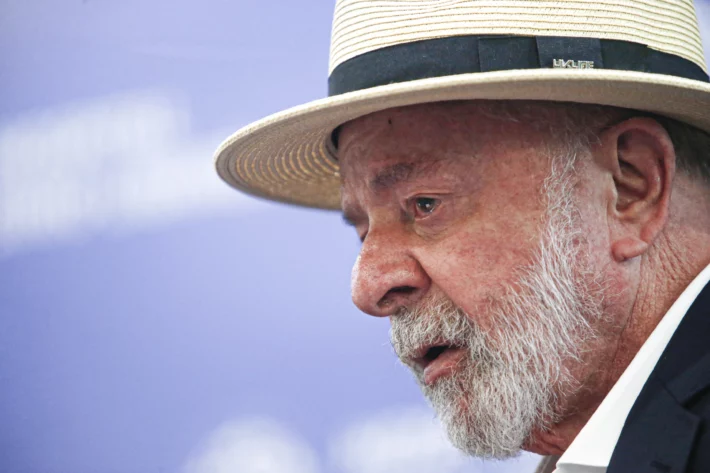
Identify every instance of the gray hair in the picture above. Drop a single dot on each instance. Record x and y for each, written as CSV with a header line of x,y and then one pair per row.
x,y
576,127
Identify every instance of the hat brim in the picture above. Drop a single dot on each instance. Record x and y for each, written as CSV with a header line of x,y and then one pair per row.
x,y
288,156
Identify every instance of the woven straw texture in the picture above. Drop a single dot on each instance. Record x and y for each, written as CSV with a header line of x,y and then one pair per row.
x,y
288,156
361,26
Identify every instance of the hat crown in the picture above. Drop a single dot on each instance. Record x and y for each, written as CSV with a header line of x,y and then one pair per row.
x,y
362,26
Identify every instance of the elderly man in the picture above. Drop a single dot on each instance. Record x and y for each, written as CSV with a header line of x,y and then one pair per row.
x,y
531,184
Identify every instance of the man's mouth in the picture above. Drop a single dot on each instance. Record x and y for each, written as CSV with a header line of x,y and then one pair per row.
x,y
436,361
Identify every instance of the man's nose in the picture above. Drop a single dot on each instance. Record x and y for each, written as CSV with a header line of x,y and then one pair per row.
x,y
386,277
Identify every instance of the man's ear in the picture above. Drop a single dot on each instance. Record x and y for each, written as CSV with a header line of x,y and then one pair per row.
x,y
641,157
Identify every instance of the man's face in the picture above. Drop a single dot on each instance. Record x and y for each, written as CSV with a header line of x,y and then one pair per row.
x,y
474,244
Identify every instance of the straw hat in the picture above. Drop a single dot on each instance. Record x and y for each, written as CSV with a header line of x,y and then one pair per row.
x,y
638,54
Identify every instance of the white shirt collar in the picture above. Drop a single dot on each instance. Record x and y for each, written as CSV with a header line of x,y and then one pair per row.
x,y
591,450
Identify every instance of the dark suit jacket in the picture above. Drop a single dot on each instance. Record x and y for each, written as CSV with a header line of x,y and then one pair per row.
x,y
668,427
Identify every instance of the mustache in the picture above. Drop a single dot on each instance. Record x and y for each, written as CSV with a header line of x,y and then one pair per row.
x,y
437,321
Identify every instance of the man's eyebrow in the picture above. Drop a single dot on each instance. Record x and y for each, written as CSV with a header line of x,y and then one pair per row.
x,y
384,179
391,175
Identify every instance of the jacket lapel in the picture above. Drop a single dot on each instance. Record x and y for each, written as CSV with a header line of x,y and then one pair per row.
x,y
659,432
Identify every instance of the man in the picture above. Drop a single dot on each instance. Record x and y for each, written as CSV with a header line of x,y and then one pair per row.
x,y
531,184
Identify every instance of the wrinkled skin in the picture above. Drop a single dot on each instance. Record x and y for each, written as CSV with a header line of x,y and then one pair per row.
x,y
447,203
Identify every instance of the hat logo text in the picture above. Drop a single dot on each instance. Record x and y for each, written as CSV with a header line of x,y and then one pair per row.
x,y
572,64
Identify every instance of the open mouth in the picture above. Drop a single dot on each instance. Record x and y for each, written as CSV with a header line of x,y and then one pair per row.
x,y
429,354
434,352
437,361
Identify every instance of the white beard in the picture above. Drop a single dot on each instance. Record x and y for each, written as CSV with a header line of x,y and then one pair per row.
x,y
513,378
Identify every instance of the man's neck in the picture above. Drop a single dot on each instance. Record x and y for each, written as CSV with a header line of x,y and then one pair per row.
x,y
664,273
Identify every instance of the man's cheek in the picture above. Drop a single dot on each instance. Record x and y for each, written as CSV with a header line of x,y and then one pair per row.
x,y
473,275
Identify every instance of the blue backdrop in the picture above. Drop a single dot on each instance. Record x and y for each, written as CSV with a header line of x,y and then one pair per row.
x,y
151,319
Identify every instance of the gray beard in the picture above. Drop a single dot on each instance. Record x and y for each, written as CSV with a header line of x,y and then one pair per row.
x,y
514,376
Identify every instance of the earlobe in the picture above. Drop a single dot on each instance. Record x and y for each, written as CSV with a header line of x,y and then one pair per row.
x,y
628,248
641,159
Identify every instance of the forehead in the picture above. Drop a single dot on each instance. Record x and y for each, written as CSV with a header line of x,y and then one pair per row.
x,y
405,143
418,134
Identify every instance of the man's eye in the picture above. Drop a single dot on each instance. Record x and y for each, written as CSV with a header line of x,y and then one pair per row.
x,y
425,205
